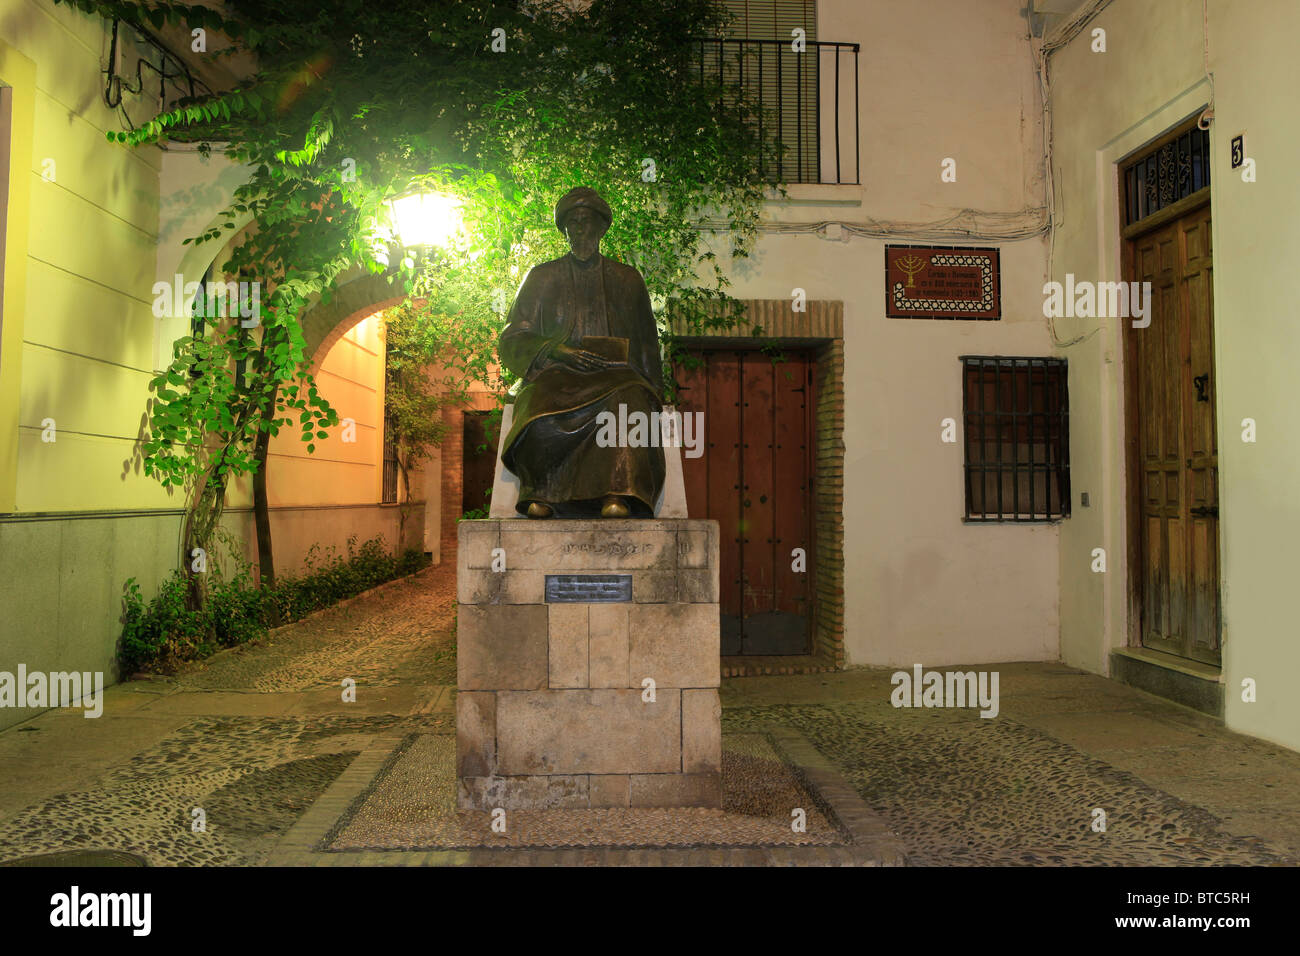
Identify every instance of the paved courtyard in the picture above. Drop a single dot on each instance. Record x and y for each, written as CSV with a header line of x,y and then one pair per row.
x,y
258,736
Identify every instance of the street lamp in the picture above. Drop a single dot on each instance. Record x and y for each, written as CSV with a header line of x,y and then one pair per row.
x,y
425,219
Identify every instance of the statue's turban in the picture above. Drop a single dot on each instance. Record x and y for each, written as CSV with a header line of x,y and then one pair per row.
x,y
582,196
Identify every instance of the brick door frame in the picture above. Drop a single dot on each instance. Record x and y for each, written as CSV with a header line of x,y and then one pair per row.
x,y
821,331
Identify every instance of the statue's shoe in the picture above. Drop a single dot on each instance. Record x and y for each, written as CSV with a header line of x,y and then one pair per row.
x,y
614,507
539,509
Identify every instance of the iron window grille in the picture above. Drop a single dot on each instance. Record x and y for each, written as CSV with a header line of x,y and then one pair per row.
x,y
390,463
1166,173
1017,438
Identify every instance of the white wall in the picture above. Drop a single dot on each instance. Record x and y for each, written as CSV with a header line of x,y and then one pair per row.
x,y
1105,105
938,79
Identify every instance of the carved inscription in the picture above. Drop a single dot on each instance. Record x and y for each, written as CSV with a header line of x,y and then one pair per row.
x,y
614,548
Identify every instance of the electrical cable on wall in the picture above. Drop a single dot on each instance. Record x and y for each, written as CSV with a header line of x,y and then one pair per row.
x,y
1207,115
964,225
1055,215
182,78
971,225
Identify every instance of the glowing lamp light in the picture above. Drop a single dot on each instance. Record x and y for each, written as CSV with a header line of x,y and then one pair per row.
x,y
426,219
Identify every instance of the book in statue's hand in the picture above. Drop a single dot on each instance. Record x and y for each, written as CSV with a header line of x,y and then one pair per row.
x,y
614,349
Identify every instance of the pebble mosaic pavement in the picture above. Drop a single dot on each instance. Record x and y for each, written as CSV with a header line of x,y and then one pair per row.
x,y
252,776
957,790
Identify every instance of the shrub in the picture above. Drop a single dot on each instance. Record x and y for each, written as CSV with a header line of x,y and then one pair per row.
x,y
164,633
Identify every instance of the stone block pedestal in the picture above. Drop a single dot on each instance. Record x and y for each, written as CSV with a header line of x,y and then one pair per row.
x,y
599,687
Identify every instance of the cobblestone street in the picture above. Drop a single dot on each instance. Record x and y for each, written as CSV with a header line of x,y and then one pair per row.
x,y
256,735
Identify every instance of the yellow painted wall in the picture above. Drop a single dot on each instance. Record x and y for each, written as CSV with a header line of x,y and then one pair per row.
x,y
1105,105
85,240
338,472
18,81
87,325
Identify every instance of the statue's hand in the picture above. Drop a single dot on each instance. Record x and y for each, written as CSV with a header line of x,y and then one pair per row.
x,y
581,360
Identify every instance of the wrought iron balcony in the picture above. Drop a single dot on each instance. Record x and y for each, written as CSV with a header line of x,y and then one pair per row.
x,y
810,110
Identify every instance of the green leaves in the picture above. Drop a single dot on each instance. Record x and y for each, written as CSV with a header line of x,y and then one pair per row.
x,y
419,102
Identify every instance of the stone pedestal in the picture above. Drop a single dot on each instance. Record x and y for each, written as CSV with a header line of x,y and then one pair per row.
x,y
555,707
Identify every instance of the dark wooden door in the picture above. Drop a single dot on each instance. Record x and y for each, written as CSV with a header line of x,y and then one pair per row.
x,y
478,462
755,480
1171,415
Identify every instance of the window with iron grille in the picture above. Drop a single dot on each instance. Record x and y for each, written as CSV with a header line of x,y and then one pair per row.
x,y
788,80
1166,172
390,463
1017,438
758,55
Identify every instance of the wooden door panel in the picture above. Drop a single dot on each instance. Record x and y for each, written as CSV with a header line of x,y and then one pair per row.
x,y
722,424
754,479
775,497
1177,580
791,485
756,495
1202,442
1202,367
1197,229
1173,387
1203,625
1167,252
1155,585
478,461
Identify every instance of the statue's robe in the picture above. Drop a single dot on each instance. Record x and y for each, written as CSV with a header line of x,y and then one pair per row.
x,y
551,446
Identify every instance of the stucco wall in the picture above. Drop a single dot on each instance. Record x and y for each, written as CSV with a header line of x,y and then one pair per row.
x,y
351,379
938,79
62,577
86,237
87,326
1105,105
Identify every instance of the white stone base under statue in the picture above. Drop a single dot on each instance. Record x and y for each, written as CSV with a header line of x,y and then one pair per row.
x,y
570,703
587,657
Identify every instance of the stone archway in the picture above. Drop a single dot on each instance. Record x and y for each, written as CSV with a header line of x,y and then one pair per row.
x,y
344,344
325,323
440,476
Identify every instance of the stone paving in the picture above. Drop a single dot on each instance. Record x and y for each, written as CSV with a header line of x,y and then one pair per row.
x,y
413,806
957,789
254,737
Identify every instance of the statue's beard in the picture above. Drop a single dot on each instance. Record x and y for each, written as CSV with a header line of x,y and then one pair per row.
x,y
585,249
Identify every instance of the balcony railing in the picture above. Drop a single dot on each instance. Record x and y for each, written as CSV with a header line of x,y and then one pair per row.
x,y
809,99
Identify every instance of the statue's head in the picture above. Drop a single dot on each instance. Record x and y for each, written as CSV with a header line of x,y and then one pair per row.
x,y
583,217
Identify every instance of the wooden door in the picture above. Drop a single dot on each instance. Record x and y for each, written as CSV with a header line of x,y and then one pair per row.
x,y
755,480
1175,457
478,462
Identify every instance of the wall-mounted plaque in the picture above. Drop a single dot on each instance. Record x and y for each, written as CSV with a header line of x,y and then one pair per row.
x,y
588,588
942,282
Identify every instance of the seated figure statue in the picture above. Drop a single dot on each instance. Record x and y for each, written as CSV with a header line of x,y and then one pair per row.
x,y
582,337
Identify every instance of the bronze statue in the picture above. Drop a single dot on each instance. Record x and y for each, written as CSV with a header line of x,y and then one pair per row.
x,y
582,337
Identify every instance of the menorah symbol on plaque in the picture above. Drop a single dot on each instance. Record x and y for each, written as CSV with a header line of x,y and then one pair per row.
x,y
910,265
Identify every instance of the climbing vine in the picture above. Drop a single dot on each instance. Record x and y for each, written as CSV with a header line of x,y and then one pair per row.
x,y
504,106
